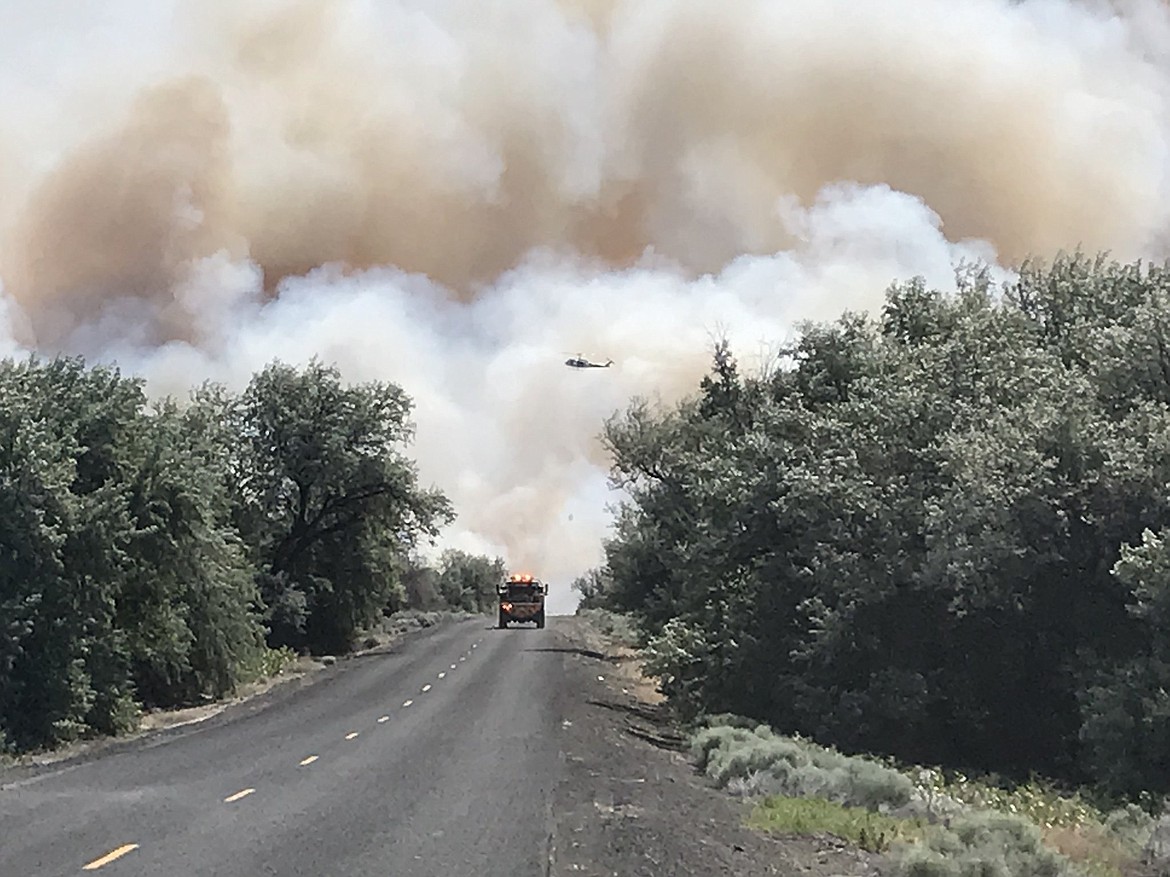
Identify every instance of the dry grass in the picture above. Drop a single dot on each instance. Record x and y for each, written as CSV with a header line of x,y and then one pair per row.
x,y
1092,849
625,662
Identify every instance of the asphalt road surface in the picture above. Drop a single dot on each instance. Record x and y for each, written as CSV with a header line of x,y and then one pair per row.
x,y
437,758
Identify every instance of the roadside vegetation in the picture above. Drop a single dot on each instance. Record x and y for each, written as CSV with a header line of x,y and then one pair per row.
x,y
157,555
929,821
939,536
619,628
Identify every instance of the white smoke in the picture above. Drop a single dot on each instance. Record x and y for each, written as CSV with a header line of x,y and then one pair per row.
x,y
457,196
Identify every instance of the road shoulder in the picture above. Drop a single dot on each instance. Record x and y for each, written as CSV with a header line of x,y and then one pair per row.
x,y
630,801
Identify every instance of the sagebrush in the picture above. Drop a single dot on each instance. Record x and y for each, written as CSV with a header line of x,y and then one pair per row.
x,y
930,823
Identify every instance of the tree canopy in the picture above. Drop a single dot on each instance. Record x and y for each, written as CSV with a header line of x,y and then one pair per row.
x,y
939,532
469,581
152,553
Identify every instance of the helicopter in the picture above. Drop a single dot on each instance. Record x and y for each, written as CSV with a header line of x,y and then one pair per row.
x,y
579,361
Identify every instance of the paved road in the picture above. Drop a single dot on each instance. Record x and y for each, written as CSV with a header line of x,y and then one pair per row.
x,y
437,759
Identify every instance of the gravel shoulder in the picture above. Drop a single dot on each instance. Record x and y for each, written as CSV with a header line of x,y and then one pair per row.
x,y
631,802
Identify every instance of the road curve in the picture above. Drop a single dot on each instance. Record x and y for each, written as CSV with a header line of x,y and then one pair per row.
x,y
437,758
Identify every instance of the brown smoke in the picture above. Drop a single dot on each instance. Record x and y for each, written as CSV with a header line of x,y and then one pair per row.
x,y
127,212
295,138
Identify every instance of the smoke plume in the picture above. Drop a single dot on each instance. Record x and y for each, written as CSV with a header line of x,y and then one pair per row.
x,y
458,194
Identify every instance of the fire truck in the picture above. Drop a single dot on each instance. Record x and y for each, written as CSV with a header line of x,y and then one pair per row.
x,y
522,599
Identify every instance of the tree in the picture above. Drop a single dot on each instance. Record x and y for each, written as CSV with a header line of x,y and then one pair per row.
x,y
469,581
594,586
326,499
121,585
147,549
909,539
420,583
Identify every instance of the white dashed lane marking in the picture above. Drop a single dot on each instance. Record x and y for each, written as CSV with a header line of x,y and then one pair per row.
x,y
244,793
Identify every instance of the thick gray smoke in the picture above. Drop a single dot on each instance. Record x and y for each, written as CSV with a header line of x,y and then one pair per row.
x,y
458,194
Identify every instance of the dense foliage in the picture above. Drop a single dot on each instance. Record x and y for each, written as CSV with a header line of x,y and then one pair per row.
x,y
469,581
939,533
151,553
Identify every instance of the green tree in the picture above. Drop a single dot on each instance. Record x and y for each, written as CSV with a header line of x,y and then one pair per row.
x,y
327,501
1125,705
594,586
121,585
420,583
469,581
905,538
190,605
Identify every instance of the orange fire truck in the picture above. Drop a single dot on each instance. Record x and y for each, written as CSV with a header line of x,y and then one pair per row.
x,y
522,599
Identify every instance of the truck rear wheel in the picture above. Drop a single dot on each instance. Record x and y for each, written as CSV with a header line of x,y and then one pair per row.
x,y
503,621
540,619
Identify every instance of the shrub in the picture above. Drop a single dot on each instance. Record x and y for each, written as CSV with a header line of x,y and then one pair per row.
x,y
1028,830
982,843
760,761
268,663
616,625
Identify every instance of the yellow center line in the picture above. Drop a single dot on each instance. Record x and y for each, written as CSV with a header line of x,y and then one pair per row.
x,y
382,719
109,857
241,794
351,735
309,760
